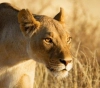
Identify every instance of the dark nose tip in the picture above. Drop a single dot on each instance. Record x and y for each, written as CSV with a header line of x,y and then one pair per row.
x,y
65,62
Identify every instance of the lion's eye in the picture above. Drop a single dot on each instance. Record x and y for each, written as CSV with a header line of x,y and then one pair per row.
x,y
48,40
69,40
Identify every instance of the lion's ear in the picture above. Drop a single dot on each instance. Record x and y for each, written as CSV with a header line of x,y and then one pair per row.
x,y
28,24
60,16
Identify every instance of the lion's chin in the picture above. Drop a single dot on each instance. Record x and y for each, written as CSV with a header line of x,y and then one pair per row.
x,y
60,74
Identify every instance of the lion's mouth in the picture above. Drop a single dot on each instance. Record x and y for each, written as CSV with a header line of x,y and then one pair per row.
x,y
62,73
54,70
60,68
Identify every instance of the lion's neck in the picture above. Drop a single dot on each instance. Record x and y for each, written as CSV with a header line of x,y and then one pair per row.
x,y
12,42
12,47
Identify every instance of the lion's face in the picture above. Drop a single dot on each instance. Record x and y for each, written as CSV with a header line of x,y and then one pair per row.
x,y
49,44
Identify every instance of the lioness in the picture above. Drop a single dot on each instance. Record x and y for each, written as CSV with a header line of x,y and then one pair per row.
x,y
25,39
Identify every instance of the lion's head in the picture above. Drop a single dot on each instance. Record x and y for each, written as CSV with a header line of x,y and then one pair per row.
x,y
48,41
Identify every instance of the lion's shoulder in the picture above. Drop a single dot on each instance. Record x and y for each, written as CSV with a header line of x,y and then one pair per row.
x,y
7,6
8,13
8,17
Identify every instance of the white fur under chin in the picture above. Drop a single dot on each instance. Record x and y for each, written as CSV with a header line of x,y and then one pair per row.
x,y
61,74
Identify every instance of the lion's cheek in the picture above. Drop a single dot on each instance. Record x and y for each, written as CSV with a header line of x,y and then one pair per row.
x,y
37,54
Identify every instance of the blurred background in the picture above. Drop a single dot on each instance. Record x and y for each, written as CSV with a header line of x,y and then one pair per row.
x,y
83,22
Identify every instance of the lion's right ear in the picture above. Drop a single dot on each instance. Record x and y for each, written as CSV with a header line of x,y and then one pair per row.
x,y
28,24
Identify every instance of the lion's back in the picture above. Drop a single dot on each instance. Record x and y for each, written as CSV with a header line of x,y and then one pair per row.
x,y
8,18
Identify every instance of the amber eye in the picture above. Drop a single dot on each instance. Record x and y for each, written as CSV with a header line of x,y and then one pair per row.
x,y
69,40
48,40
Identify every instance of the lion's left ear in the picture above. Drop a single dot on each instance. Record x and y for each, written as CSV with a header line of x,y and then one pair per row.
x,y
28,24
60,16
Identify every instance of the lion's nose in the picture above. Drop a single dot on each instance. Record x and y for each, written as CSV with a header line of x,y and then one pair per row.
x,y
65,62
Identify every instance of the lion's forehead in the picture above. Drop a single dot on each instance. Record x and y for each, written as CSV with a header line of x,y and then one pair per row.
x,y
51,25
48,22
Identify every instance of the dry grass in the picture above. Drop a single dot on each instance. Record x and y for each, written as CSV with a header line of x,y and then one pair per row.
x,y
85,31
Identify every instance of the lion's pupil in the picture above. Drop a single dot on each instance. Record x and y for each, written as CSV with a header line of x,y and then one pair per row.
x,y
48,40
